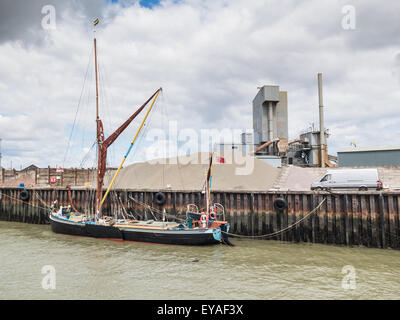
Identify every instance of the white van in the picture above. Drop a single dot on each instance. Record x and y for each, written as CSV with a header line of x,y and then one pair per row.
x,y
362,179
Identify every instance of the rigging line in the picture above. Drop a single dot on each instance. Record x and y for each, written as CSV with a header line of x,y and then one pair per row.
x,y
145,205
165,150
104,95
140,138
41,200
179,165
86,109
107,108
77,109
177,151
114,209
146,127
164,119
152,214
147,124
131,145
122,206
80,123
131,216
280,231
85,157
104,103
156,210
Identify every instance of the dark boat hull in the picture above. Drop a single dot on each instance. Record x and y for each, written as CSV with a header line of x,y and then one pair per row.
x,y
170,237
186,237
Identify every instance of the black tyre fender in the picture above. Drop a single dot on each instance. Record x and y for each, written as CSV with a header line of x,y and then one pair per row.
x,y
280,204
24,195
160,198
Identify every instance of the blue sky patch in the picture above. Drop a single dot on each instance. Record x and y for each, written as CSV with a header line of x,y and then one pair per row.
x,y
149,3
144,3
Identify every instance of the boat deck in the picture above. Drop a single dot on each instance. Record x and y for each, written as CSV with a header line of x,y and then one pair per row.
x,y
151,224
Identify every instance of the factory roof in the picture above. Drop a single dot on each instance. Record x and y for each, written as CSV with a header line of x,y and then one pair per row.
x,y
370,149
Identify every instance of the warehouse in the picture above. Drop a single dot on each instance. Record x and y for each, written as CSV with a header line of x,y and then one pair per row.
x,y
370,157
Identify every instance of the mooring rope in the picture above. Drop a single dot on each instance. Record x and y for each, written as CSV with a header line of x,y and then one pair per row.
x,y
280,231
41,200
32,205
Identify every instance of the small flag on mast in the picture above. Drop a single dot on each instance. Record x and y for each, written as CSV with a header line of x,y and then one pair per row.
x,y
95,22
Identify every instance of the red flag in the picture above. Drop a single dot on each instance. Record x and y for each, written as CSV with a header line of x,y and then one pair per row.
x,y
220,160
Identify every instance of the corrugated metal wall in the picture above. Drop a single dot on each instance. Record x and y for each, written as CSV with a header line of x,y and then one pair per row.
x,y
384,158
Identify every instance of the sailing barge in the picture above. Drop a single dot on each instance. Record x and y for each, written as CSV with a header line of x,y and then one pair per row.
x,y
199,228
141,231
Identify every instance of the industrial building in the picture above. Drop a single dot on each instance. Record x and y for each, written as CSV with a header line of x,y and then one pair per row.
x,y
270,125
270,116
270,140
370,157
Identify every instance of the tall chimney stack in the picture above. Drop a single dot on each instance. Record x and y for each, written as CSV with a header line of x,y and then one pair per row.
x,y
321,121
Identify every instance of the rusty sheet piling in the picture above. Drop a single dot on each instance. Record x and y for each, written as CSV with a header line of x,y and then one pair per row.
x,y
369,219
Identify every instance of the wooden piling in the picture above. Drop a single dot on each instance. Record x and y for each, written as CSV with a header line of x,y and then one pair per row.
x,y
349,218
382,230
392,223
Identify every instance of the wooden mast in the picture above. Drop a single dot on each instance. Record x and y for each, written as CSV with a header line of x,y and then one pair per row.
x,y
102,143
98,134
97,85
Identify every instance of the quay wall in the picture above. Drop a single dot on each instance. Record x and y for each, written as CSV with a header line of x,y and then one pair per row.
x,y
34,177
369,219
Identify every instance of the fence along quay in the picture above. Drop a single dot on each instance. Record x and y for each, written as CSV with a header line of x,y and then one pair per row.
x,y
369,219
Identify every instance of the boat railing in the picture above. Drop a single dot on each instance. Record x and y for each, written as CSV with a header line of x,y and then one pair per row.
x,y
190,210
218,205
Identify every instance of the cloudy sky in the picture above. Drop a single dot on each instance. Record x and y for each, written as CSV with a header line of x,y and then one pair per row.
x,y
209,57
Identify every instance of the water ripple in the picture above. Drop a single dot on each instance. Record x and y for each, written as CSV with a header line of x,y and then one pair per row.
x,y
89,268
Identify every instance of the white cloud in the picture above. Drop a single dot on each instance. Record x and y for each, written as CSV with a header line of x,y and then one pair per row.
x,y
209,57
